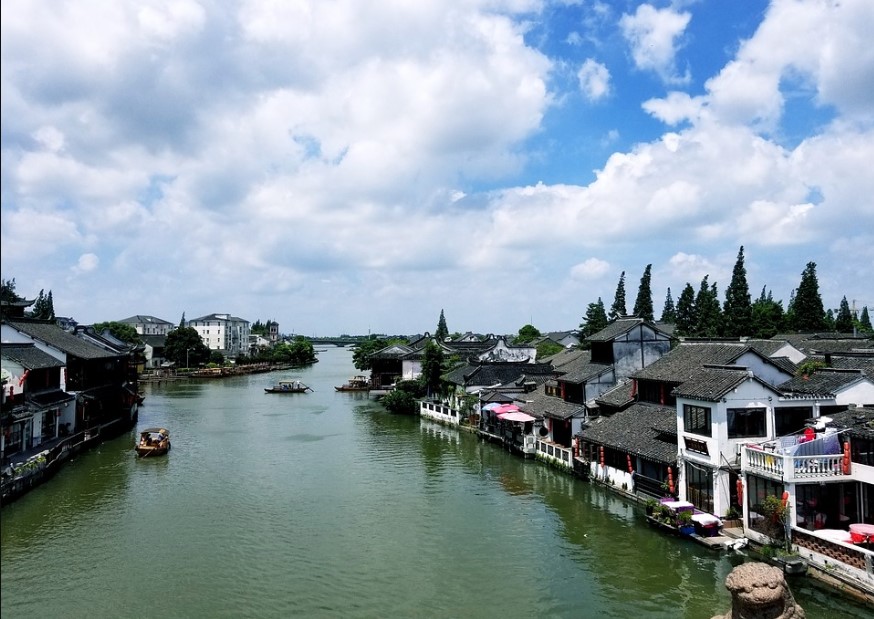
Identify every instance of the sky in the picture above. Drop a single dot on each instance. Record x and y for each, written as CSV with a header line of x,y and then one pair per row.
x,y
348,167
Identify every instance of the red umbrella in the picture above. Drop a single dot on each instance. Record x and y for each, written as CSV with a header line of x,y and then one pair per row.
x,y
506,408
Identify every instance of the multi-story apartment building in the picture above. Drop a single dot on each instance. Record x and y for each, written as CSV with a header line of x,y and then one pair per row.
x,y
222,332
149,325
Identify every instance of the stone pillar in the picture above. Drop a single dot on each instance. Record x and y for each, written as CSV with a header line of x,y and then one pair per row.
x,y
760,591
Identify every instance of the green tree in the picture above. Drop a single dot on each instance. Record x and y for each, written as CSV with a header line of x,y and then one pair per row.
x,y
595,319
844,319
527,334
119,330
808,314
399,402
547,348
643,304
687,316
767,316
737,311
432,368
442,330
7,291
43,307
617,310
865,321
184,347
669,312
298,352
182,321
363,349
709,312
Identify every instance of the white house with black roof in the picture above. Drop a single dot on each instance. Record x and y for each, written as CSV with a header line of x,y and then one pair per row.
x,y
35,408
149,325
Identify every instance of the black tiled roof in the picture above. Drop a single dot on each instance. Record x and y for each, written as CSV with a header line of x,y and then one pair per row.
x,y
710,384
616,328
29,356
394,351
618,396
498,373
849,361
859,421
538,404
682,362
585,373
826,381
55,336
647,430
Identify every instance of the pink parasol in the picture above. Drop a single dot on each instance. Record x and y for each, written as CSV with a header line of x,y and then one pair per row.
x,y
506,408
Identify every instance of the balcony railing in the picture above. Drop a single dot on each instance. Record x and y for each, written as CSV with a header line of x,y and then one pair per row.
x,y
820,467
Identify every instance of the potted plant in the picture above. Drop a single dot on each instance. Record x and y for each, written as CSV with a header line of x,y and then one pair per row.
x,y
650,506
684,522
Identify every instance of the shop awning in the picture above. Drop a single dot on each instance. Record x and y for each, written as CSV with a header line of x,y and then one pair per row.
x,y
515,416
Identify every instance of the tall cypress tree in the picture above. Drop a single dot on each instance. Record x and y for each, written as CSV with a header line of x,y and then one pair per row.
x,y
708,312
442,330
687,317
808,314
643,304
844,319
595,318
865,321
737,311
617,310
669,312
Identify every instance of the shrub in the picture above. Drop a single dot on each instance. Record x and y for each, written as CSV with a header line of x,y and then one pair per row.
x,y
399,402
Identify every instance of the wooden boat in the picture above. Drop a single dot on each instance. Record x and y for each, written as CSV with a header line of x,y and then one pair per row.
x,y
356,383
288,386
153,442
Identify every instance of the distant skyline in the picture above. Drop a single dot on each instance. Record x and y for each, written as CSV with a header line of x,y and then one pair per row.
x,y
341,167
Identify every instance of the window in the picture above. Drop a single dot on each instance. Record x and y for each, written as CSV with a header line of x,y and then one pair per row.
x,y
744,422
696,420
756,490
789,419
699,487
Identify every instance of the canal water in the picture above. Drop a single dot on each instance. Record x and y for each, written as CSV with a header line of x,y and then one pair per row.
x,y
324,505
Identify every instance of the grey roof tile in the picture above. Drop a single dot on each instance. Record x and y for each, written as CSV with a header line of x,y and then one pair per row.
x,y
55,336
647,430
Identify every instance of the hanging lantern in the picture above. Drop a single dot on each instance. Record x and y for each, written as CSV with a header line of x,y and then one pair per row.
x,y
740,492
670,480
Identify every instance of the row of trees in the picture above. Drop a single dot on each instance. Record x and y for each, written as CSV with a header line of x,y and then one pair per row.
x,y
700,314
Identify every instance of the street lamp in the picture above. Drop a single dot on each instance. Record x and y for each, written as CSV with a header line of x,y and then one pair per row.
x,y
187,350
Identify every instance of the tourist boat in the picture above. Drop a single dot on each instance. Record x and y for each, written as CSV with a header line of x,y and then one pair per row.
x,y
153,442
288,386
356,383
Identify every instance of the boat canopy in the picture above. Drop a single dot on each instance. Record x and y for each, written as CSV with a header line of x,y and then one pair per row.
x,y
155,431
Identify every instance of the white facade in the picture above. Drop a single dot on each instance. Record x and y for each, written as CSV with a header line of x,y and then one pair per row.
x,y
222,332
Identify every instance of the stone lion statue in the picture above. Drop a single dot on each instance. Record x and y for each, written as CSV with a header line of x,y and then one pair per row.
x,y
759,591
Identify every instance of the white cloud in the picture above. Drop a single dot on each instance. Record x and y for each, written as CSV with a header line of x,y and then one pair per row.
x,y
654,35
590,269
594,80
86,264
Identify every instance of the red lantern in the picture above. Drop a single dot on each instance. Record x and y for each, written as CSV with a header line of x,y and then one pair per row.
x,y
670,480
846,460
628,459
602,455
740,492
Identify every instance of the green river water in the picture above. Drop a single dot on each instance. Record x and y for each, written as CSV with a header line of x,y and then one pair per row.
x,y
324,505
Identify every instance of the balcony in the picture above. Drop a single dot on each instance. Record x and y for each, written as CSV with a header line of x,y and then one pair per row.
x,y
790,469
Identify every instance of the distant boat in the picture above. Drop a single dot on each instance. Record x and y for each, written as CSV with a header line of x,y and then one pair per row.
x,y
356,383
153,442
288,386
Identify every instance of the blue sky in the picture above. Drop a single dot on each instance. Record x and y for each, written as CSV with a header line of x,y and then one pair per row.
x,y
343,168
